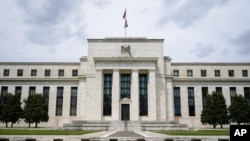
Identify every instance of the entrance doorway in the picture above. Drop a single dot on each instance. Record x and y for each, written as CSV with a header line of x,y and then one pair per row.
x,y
125,112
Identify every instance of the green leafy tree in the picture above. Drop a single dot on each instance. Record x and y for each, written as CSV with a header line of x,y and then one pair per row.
x,y
11,110
35,109
239,110
215,110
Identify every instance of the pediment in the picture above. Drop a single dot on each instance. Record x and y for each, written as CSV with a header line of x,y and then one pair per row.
x,y
125,100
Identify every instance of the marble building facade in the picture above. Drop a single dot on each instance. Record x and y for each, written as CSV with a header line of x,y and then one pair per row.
x,y
125,79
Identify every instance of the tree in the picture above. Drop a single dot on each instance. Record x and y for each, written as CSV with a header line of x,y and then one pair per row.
x,y
11,110
35,109
215,110
239,110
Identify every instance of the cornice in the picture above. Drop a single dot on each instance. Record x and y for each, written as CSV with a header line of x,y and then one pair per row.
x,y
42,63
125,39
210,64
112,59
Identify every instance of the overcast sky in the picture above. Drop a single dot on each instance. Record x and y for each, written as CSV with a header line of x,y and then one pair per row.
x,y
56,30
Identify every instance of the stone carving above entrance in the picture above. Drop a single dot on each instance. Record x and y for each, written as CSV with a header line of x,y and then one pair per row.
x,y
125,50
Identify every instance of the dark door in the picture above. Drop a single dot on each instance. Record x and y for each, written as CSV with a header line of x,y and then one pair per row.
x,y
125,112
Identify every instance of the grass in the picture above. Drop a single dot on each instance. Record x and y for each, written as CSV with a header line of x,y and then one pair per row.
x,y
197,133
43,132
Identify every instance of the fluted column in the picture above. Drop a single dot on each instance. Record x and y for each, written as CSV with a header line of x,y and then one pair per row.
x,y
134,109
115,95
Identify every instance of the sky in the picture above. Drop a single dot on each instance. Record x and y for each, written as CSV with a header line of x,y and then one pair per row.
x,y
57,30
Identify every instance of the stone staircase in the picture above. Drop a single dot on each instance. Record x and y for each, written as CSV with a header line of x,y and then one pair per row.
x,y
125,125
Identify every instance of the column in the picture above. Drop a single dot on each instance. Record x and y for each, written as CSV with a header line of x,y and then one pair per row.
x,y
115,95
170,100
98,95
152,96
134,108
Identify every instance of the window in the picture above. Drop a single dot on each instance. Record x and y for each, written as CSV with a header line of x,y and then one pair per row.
x,y
190,73
59,101
125,86
143,94
218,90
217,73
33,72
247,94
61,72
4,91
176,72
177,101
32,90
73,101
191,101
231,73
18,91
244,73
203,73
204,91
47,72
74,72
232,93
6,72
107,94
20,72
46,94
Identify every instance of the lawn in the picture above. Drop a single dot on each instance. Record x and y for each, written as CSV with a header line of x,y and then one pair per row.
x,y
197,133
43,132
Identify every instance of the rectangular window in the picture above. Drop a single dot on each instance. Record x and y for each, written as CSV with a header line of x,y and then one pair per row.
x,y
47,72
18,91
4,91
20,72
245,73
74,72
217,73
32,90
231,73
125,86
191,101
143,94
107,94
247,94
232,93
177,101
33,72
218,90
61,72
176,72
46,94
6,72
73,101
189,73
59,101
203,73
204,91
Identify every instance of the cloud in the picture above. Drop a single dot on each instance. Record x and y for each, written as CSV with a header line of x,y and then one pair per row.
x,y
50,22
202,50
242,42
185,13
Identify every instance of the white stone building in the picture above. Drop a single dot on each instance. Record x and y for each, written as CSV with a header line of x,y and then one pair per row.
x,y
125,79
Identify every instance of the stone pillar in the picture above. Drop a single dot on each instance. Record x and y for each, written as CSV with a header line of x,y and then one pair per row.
x,y
134,109
115,95
170,99
98,95
152,96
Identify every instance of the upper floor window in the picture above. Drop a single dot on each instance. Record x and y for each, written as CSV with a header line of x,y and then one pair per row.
x,y
6,72
176,72
47,72
33,72
61,72
203,73
216,73
190,73
244,73
20,72
74,72
231,73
